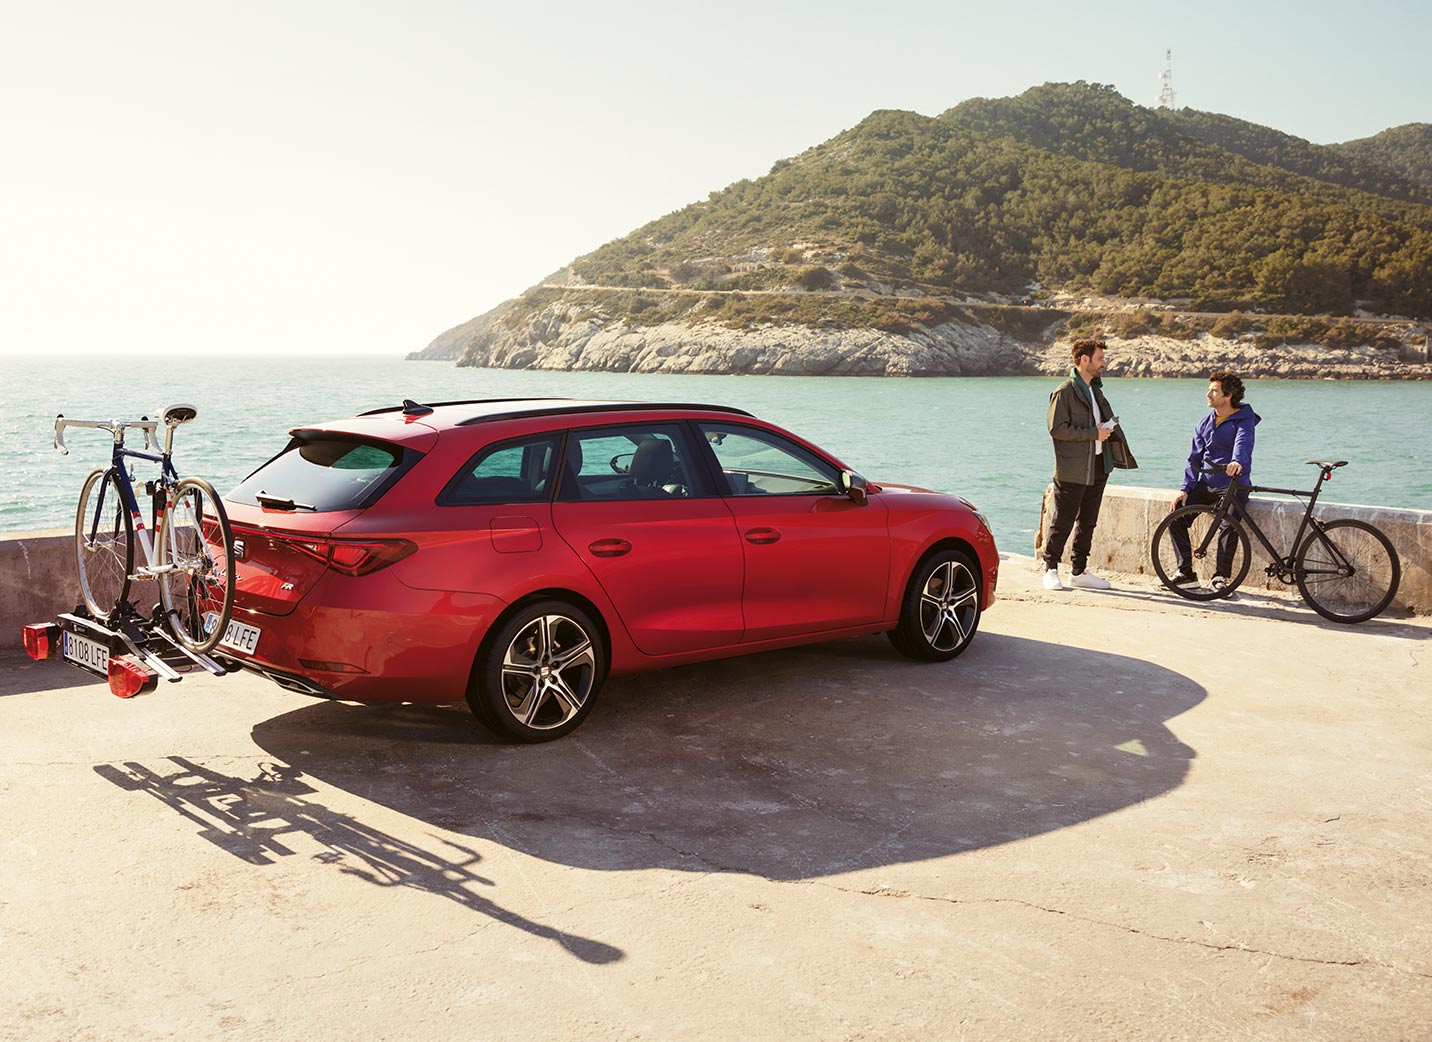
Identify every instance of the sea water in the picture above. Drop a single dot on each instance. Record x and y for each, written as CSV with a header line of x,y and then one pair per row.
x,y
983,438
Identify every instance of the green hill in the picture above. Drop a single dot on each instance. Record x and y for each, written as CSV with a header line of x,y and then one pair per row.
x,y
1406,149
1335,164
1068,186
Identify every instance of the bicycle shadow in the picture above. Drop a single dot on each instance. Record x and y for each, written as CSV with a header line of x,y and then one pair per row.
x,y
787,765
1275,605
261,819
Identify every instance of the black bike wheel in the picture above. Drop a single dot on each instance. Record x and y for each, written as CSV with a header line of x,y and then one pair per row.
x,y
1203,556
196,566
104,545
1349,572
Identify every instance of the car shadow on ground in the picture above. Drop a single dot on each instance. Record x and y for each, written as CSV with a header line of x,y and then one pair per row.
x,y
787,765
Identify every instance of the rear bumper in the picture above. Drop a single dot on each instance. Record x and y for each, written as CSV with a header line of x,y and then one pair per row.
x,y
371,641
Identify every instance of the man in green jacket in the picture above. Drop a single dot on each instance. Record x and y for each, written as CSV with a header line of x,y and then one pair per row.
x,y
1081,423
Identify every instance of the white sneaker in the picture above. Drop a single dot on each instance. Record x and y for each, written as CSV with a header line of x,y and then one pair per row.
x,y
1051,580
1087,580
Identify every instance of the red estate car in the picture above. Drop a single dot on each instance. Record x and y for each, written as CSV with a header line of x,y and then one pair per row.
x,y
513,553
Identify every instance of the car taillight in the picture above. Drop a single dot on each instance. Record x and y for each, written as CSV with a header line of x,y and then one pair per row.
x,y
39,640
355,557
127,677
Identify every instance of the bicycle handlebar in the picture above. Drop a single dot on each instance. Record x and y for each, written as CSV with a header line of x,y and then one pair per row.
x,y
114,427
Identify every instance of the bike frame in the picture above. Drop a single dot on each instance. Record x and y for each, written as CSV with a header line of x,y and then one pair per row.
x,y
1284,566
168,477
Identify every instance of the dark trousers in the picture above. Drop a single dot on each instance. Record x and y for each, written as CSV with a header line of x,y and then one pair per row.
x,y
1199,495
1076,508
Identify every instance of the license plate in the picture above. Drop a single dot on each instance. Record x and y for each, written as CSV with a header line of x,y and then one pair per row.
x,y
82,651
238,636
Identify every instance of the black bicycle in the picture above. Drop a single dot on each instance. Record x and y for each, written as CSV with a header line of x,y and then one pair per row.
x,y
1346,570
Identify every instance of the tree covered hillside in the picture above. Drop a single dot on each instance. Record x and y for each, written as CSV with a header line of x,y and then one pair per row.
x,y
1406,149
1067,185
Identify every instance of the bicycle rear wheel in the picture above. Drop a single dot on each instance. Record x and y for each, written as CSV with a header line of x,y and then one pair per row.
x,y
1203,553
104,544
196,559
1348,572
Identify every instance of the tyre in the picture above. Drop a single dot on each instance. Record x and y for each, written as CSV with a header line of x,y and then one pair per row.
x,y
941,610
196,566
104,545
1349,572
1203,556
539,675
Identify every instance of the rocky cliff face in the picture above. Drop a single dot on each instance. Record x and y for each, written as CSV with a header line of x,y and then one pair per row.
x,y
1163,357
569,337
450,345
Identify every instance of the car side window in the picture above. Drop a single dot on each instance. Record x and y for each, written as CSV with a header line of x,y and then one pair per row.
x,y
512,472
645,461
757,463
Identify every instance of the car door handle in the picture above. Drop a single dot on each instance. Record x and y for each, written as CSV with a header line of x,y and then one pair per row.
x,y
609,547
761,536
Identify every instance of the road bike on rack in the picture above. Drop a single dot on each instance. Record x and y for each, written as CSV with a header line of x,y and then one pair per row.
x,y
1346,570
190,554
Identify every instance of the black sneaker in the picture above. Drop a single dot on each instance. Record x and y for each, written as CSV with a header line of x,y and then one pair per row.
x,y
1183,578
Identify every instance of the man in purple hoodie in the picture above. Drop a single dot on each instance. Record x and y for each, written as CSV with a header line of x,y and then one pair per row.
x,y
1223,438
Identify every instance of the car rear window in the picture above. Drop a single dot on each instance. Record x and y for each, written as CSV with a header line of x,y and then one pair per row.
x,y
513,472
326,472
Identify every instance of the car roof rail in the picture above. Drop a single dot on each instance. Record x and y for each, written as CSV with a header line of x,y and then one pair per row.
x,y
542,407
559,410
434,405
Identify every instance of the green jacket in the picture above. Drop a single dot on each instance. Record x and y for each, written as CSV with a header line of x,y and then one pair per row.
x,y
1071,425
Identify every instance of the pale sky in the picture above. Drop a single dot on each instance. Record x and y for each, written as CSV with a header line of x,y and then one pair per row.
x,y
324,177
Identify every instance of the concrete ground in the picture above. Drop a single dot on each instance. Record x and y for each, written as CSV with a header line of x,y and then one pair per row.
x,y
1118,816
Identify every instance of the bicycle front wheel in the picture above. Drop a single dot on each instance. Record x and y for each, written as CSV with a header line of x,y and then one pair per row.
x,y
1348,572
1197,554
104,544
196,566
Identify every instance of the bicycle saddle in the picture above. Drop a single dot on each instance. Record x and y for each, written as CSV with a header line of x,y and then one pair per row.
x,y
178,413
1329,466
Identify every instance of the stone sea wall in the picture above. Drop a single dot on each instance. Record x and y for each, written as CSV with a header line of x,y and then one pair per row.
x,y
37,579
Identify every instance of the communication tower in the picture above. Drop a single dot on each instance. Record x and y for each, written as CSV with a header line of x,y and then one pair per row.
x,y
1166,83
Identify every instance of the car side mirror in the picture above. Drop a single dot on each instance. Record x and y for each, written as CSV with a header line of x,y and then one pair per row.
x,y
853,486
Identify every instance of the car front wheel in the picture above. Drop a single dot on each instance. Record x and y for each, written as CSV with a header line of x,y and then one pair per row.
x,y
539,676
941,611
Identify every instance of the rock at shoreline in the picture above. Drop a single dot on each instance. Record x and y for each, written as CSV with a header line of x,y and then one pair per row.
x,y
1164,357
571,337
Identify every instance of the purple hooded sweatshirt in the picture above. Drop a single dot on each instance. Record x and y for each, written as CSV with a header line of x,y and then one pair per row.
x,y
1217,445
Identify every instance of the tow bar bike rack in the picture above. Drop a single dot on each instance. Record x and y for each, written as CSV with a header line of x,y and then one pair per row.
x,y
131,652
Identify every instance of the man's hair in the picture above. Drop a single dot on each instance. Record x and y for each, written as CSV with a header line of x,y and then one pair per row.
x,y
1231,384
1085,346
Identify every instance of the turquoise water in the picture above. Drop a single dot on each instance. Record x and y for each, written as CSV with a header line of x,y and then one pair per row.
x,y
982,438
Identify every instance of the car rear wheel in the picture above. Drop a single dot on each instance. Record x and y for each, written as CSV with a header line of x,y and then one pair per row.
x,y
941,611
539,676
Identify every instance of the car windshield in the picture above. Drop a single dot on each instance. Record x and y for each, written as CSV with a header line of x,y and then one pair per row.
x,y
325,472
